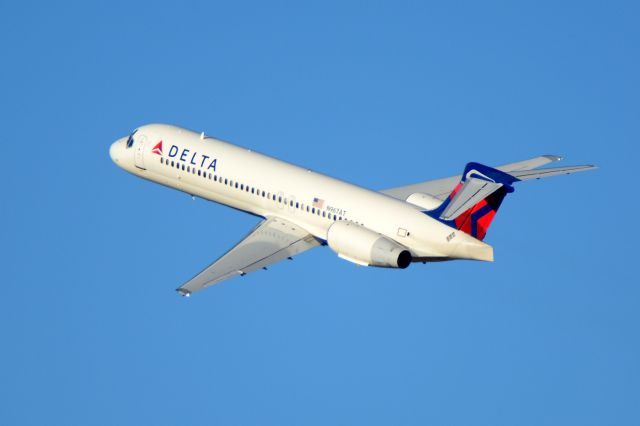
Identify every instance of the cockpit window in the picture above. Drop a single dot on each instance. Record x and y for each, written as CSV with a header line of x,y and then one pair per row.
x,y
130,140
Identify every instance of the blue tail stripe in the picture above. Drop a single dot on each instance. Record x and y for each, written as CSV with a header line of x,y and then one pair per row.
x,y
476,216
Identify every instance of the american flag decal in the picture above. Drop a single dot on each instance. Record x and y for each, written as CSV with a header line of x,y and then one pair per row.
x,y
318,203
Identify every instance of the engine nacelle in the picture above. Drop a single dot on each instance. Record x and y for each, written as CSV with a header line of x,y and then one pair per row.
x,y
425,201
366,247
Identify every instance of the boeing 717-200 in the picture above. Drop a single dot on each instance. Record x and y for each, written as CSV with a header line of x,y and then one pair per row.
x,y
437,220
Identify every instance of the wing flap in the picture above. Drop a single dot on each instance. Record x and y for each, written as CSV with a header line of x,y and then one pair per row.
x,y
273,240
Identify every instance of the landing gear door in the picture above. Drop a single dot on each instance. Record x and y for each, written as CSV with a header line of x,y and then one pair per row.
x,y
140,143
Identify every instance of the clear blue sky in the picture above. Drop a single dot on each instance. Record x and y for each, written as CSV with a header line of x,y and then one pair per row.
x,y
381,94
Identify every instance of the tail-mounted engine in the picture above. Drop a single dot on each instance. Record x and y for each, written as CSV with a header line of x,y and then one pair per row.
x,y
363,246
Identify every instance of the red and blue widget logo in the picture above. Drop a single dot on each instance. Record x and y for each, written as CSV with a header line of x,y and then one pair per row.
x,y
157,149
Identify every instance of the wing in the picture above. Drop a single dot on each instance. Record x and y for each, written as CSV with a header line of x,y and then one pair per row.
x,y
523,170
273,240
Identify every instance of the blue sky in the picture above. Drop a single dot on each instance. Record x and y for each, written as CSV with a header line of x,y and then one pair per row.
x,y
378,93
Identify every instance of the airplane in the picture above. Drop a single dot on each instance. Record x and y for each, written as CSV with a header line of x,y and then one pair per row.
x,y
437,220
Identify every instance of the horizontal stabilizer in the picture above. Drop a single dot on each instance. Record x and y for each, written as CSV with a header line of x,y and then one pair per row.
x,y
522,170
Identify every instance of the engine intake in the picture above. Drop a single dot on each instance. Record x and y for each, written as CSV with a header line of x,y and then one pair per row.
x,y
366,247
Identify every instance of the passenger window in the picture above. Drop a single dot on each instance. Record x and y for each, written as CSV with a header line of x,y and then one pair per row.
x,y
199,172
225,181
307,209
161,160
262,194
313,210
252,190
324,214
241,187
215,178
290,203
297,206
173,164
183,167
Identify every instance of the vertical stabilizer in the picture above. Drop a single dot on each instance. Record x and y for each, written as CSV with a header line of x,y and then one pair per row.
x,y
473,203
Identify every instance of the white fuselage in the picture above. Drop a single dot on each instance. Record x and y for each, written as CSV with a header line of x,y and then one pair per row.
x,y
249,181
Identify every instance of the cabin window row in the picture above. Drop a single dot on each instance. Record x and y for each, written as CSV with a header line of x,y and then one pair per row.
x,y
247,188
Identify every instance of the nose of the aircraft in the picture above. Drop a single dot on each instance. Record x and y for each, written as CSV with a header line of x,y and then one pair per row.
x,y
116,150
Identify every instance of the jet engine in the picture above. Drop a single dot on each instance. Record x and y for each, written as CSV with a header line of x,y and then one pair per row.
x,y
363,246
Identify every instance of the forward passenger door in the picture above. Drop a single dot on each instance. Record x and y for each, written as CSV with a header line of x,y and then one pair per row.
x,y
139,155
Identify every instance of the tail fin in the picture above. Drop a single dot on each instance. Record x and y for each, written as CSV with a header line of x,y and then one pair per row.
x,y
473,203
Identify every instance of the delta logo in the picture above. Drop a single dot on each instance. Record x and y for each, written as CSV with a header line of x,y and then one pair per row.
x,y
157,149
187,156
